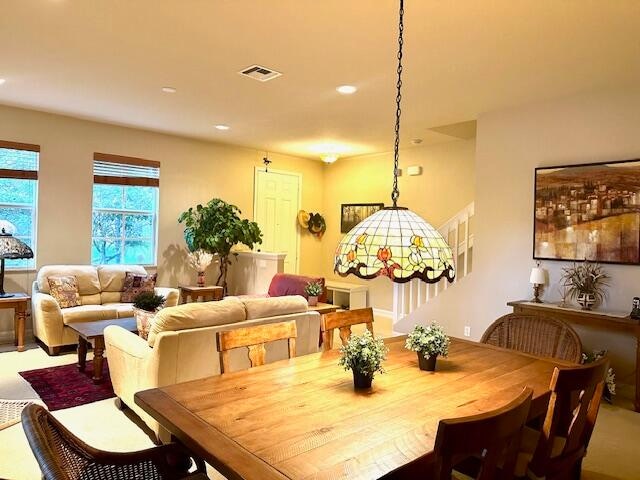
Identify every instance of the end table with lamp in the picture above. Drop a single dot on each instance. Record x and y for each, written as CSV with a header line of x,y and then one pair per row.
x,y
13,248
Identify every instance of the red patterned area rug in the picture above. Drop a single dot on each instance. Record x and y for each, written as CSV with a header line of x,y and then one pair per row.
x,y
65,386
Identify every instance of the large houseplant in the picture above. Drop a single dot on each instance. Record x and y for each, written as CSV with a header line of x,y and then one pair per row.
x,y
215,228
586,282
363,355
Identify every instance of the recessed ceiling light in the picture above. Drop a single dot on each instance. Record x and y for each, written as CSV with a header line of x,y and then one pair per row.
x,y
222,127
346,89
2,80
169,90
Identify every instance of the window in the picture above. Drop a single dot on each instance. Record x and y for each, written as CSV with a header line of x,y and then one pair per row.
x,y
125,210
18,193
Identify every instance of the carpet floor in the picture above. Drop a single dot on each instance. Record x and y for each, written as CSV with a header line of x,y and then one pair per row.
x,y
612,454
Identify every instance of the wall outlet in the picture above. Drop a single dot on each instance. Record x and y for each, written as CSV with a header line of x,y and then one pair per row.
x,y
467,331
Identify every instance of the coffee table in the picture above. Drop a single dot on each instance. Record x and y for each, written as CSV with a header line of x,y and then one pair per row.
x,y
93,332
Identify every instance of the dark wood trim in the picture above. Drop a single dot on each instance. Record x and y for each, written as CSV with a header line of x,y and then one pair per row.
x,y
131,181
20,146
19,174
141,162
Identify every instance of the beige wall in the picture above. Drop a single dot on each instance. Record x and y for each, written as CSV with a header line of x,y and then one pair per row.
x,y
191,171
444,188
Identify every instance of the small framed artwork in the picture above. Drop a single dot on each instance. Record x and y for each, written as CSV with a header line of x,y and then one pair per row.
x,y
354,213
588,212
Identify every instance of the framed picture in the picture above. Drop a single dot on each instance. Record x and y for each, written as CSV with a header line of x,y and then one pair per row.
x,y
588,212
354,213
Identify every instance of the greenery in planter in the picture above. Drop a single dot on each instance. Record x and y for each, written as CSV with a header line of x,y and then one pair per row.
x,y
215,228
429,340
610,380
313,289
363,354
585,278
148,301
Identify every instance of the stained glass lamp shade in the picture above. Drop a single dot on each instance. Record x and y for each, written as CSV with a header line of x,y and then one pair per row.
x,y
11,248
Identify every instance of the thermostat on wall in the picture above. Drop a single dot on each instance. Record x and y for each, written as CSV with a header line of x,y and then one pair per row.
x,y
414,170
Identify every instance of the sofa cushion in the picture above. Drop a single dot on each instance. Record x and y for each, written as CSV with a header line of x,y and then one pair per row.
x,y
110,297
94,299
125,310
88,313
112,276
274,306
289,284
135,284
64,289
196,315
86,276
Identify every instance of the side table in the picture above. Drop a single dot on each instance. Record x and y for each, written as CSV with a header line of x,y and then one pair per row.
x,y
192,294
18,302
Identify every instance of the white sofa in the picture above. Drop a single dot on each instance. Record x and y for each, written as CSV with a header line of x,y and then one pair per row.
x,y
99,288
182,344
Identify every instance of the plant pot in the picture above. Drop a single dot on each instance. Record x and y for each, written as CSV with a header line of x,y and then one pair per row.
x,y
586,300
201,279
312,301
427,364
144,320
361,380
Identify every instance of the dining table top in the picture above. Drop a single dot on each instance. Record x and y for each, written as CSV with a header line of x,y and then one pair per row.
x,y
301,418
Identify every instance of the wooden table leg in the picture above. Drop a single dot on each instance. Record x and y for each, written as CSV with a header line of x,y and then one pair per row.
x,y
82,353
637,402
20,315
183,297
98,352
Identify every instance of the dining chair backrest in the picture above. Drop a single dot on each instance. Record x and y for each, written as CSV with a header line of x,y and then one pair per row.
x,y
492,437
255,338
537,335
344,321
573,408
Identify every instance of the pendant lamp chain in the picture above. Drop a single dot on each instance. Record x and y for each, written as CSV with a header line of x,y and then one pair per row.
x,y
396,147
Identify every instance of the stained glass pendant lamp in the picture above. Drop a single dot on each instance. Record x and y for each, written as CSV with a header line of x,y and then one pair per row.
x,y
395,242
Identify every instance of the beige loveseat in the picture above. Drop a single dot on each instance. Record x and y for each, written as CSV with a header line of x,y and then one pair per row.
x,y
182,344
99,288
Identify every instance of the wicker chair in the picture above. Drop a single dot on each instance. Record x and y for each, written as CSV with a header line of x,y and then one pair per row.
x,y
63,456
541,336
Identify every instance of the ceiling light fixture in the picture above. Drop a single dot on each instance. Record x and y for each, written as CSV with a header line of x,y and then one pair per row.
x,y
346,89
222,127
395,242
329,157
169,90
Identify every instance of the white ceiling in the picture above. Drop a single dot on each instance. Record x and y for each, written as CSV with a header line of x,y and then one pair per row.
x,y
108,59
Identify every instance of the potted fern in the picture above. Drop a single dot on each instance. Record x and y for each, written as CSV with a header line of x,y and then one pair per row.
x,y
586,283
145,307
428,341
363,355
313,291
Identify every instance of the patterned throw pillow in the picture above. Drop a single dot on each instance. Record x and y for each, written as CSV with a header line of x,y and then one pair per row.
x,y
65,291
135,284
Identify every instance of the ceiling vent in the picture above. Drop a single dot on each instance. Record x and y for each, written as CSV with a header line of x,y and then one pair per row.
x,y
260,73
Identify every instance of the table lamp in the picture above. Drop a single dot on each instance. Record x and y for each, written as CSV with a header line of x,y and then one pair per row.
x,y
12,248
537,279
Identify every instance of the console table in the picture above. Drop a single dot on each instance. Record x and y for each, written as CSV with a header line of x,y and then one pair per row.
x,y
618,322
349,295
18,302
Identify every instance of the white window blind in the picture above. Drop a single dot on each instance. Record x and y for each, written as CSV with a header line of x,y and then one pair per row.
x,y
118,170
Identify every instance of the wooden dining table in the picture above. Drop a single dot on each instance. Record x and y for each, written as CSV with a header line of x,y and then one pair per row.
x,y
302,419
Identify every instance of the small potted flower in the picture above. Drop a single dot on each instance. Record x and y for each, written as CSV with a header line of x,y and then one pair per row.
x,y
428,341
313,291
586,283
199,261
145,307
363,355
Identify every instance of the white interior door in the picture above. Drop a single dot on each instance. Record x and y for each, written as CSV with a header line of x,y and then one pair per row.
x,y
276,205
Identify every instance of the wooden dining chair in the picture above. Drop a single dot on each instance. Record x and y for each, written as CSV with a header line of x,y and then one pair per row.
x,y
556,452
541,336
63,456
255,338
344,321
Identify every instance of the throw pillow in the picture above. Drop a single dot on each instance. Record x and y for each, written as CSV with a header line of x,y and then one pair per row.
x,y
64,290
135,284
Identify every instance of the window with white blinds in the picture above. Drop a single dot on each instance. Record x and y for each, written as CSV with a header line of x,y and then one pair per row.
x,y
125,210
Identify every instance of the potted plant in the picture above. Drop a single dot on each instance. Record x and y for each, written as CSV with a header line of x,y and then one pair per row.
x,y
145,307
313,291
586,283
610,378
363,355
428,341
215,228
199,261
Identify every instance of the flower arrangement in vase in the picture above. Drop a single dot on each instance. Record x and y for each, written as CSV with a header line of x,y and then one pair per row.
x,y
199,261
586,282
313,291
145,307
363,355
428,341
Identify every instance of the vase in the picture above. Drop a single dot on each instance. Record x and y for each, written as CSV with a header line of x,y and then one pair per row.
x,y
144,320
312,301
201,279
427,364
362,380
586,300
